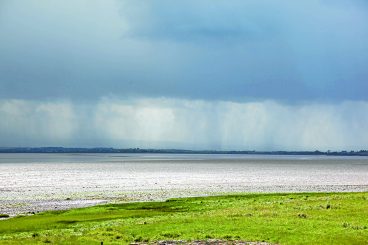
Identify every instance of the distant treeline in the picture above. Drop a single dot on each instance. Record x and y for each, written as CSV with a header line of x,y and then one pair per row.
x,y
172,151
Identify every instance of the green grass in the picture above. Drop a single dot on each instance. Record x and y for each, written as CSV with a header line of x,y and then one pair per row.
x,y
306,218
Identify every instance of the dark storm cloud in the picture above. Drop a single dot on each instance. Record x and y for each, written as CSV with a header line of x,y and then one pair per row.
x,y
205,74
229,50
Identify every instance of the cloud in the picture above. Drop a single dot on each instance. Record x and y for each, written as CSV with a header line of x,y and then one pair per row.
x,y
288,51
190,124
210,74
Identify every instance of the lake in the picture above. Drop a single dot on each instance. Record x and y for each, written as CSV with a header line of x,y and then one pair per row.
x,y
38,182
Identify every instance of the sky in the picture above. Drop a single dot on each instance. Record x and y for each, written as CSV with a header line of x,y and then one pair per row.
x,y
204,74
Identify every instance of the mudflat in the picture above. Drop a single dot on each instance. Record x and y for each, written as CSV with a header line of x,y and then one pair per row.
x,y
30,183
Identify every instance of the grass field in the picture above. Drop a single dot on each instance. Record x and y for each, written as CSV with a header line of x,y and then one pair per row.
x,y
307,218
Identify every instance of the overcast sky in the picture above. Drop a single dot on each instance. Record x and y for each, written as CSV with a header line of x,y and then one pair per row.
x,y
204,74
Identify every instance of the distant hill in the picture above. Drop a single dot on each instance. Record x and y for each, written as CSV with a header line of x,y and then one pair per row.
x,y
171,151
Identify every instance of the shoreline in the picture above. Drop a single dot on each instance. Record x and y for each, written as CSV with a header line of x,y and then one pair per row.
x,y
31,207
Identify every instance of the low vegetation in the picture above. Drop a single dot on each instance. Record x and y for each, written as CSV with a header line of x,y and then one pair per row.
x,y
306,218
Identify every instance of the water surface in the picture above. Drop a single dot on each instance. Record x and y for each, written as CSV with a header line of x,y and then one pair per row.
x,y
36,182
